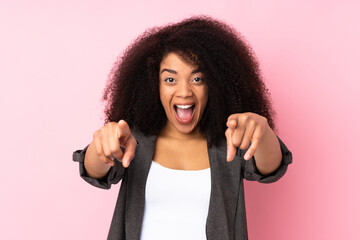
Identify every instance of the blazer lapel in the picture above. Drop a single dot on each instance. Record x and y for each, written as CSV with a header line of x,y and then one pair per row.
x,y
137,176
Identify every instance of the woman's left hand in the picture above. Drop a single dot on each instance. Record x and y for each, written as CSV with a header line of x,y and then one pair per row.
x,y
243,128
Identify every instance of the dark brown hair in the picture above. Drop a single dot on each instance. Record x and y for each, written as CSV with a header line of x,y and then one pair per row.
x,y
229,66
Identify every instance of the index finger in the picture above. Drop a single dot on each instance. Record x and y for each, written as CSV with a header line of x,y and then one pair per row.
x,y
123,132
129,153
230,149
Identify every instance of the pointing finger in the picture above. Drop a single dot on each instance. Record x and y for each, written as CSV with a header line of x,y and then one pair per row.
x,y
115,145
129,153
123,132
231,149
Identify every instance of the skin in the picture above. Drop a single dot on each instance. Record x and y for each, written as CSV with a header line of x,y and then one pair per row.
x,y
182,83
250,127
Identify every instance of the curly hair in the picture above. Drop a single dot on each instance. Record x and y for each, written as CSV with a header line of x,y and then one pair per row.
x,y
228,64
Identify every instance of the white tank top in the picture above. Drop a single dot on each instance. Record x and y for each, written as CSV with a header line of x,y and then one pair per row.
x,y
176,203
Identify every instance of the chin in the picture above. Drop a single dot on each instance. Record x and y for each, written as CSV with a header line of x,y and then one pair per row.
x,y
186,129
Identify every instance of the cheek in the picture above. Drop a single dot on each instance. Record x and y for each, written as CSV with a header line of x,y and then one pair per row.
x,y
161,92
165,96
163,101
204,96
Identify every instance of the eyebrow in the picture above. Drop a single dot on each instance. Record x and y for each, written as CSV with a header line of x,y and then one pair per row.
x,y
174,72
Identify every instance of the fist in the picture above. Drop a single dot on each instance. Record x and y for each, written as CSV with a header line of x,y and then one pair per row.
x,y
243,128
110,138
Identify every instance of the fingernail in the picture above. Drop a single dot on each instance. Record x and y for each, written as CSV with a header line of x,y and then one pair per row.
x,y
247,156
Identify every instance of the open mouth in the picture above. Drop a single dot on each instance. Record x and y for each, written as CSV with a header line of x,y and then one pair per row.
x,y
184,113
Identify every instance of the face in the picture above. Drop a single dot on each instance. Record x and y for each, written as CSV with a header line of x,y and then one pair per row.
x,y
183,93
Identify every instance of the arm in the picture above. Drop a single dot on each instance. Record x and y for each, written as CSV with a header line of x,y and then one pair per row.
x,y
106,146
268,153
103,162
113,176
251,172
95,168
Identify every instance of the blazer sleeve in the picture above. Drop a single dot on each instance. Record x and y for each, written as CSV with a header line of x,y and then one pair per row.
x,y
251,172
114,175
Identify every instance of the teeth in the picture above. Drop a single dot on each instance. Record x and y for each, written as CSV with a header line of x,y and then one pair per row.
x,y
184,106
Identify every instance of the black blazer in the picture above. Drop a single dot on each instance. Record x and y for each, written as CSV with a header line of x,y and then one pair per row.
x,y
226,217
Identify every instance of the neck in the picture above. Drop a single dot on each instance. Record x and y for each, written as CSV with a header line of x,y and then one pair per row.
x,y
171,132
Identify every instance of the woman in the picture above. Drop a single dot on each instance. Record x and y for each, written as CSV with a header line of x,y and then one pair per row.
x,y
188,117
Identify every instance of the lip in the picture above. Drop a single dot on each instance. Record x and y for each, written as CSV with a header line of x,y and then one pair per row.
x,y
185,103
192,115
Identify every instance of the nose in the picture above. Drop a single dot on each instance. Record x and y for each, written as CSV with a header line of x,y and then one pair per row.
x,y
184,89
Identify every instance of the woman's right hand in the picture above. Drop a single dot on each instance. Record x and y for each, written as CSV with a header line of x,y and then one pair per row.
x,y
109,138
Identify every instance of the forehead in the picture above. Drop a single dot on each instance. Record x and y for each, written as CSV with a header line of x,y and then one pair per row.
x,y
176,59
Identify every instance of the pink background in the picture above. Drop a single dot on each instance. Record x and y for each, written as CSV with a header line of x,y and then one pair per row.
x,y
54,61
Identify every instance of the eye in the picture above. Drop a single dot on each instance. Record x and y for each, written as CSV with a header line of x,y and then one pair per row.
x,y
169,80
197,80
